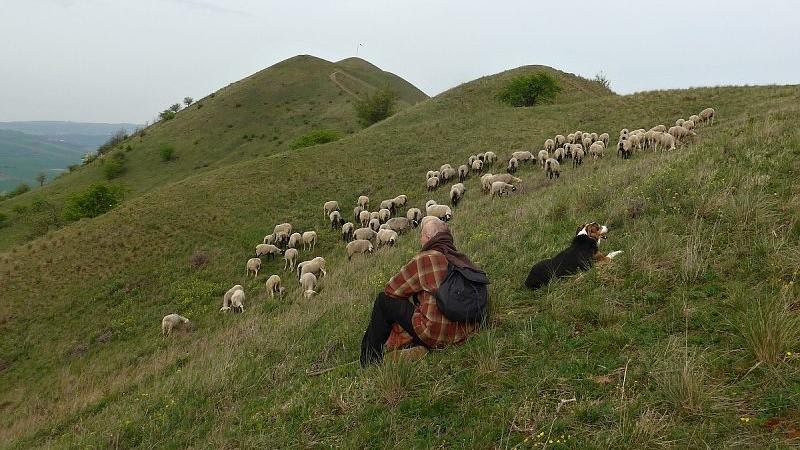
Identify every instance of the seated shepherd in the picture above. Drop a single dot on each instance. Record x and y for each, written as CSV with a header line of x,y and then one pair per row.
x,y
410,309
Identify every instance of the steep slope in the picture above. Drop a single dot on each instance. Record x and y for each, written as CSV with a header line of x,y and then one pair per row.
x,y
701,245
259,115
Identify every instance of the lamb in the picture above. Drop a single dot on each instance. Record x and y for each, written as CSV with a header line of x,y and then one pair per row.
x,y
490,157
707,115
385,237
667,142
689,125
336,220
367,234
488,179
384,215
568,150
695,118
433,183
523,156
237,301
309,240
374,224
577,155
624,149
174,322
587,142
500,187
650,138
226,299
635,141
273,286
443,212
559,154
549,145
363,201
400,201
387,205
560,140
463,171
456,193
414,215
477,166
290,259
445,166
542,156
399,224
330,207
513,165
267,249
253,266
364,217
283,228
315,266
308,282
448,174
269,239
552,168
347,231
681,134
359,246
295,239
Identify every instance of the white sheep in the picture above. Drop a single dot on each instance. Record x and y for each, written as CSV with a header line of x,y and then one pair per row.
x,y
624,149
500,187
290,259
658,128
695,118
448,173
679,122
432,183
269,239
358,246
689,125
463,171
347,231
364,233
384,215
542,157
667,142
490,157
587,142
273,286
477,166
309,240
363,201
594,137
471,159
226,299
385,237
571,138
315,266
357,213
295,240
559,154
560,140
364,218
552,168
375,215
481,157
253,266
283,228
429,203
445,166
330,207
414,215
513,165
429,174
236,302
374,224
336,219
706,115
399,224
443,212
577,155
549,145
308,282
604,139
400,201
456,193
267,249
488,179
387,205
522,155
174,322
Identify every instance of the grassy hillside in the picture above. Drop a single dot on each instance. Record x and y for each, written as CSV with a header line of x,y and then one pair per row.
x,y
23,156
257,116
681,342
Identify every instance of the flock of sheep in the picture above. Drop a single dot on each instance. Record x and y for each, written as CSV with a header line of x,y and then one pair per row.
x,y
384,226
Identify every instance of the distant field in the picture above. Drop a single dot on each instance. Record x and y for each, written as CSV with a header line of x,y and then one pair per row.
x,y
23,156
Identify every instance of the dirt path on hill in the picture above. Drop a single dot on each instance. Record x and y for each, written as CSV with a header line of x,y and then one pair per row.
x,y
341,86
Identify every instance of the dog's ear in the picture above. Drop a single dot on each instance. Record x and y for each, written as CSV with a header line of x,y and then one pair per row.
x,y
580,228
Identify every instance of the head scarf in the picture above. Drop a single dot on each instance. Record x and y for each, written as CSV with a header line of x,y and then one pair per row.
x,y
442,242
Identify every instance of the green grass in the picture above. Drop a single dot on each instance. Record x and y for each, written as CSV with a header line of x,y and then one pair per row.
x,y
661,348
260,115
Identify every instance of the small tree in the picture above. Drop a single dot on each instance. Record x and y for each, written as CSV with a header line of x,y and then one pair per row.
x,y
376,107
41,178
167,152
529,90
175,107
166,114
188,101
602,80
97,199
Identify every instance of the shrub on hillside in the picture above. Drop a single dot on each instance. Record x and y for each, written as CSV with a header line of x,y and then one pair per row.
x,y
376,107
20,189
199,259
113,167
602,80
3,219
167,114
95,200
530,90
167,152
316,137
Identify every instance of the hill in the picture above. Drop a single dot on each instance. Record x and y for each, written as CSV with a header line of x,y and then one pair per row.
x,y
23,156
260,115
54,128
660,348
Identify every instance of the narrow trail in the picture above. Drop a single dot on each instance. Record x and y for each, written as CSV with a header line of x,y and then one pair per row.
x,y
341,86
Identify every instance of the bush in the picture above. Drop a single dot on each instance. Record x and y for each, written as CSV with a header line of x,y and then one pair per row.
x,y
602,80
20,189
113,167
199,259
530,90
167,114
115,139
95,200
316,137
3,219
376,107
167,152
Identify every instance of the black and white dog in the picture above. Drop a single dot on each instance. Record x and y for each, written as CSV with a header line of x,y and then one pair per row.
x,y
580,255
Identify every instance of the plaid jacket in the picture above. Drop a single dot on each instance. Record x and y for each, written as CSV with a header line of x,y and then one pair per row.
x,y
421,278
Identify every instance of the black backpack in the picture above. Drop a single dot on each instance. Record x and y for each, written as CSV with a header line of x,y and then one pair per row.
x,y
463,296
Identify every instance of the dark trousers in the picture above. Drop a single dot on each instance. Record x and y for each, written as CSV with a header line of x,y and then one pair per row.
x,y
386,312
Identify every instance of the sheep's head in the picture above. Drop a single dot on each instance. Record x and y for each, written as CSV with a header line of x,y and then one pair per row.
x,y
309,293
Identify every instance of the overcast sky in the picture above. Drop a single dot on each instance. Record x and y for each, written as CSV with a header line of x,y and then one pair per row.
x,y
125,60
